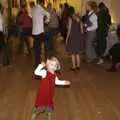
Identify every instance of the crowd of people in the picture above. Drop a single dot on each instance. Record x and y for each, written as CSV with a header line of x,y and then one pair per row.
x,y
83,34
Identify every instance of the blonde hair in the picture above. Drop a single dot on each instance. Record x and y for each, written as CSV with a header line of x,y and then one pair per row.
x,y
55,60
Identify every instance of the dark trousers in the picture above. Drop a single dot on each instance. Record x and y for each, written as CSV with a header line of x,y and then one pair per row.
x,y
101,43
24,38
37,48
48,44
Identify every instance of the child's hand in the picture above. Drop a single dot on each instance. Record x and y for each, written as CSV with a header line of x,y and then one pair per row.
x,y
67,83
43,63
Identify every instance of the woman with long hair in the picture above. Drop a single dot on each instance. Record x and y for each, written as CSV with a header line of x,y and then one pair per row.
x,y
73,40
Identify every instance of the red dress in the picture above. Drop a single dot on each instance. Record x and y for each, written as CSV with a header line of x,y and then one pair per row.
x,y
44,100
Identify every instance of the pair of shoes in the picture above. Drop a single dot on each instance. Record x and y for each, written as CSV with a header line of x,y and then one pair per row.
x,y
100,62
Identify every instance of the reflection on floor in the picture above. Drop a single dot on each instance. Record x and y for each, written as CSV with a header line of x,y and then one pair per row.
x,y
93,95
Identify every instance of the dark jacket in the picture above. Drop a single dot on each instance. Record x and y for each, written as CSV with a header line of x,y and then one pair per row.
x,y
104,20
115,51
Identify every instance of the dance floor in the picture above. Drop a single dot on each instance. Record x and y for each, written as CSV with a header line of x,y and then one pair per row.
x,y
93,95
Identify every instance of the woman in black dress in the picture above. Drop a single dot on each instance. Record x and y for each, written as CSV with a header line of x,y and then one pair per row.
x,y
73,40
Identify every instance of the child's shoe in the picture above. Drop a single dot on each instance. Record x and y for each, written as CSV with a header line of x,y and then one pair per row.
x,y
34,116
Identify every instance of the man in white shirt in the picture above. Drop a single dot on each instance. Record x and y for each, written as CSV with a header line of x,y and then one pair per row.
x,y
38,13
91,27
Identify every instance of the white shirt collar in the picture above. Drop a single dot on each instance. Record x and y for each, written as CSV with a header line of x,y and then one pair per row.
x,y
90,12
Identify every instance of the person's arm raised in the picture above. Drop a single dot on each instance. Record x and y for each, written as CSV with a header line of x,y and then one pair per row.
x,y
40,71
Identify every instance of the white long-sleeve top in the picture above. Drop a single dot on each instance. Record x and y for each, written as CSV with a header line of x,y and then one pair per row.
x,y
93,18
42,72
37,14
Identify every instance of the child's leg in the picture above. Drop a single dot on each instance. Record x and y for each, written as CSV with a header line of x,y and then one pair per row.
x,y
48,115
34,114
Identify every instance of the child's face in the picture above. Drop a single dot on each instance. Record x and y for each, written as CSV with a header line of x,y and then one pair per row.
x,y
52,66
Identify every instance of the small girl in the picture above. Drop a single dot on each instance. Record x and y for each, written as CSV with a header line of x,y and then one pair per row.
x,y
44,99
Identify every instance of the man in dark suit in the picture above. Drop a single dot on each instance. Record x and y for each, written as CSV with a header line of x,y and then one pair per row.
x,y
104,22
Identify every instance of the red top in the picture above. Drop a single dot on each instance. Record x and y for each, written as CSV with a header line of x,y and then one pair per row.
x,y
25,20
46,92
65,17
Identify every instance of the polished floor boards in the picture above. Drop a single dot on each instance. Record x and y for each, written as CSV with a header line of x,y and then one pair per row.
x,y
93,95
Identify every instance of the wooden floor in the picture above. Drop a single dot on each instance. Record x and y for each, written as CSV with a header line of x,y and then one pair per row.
x,y
93,95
